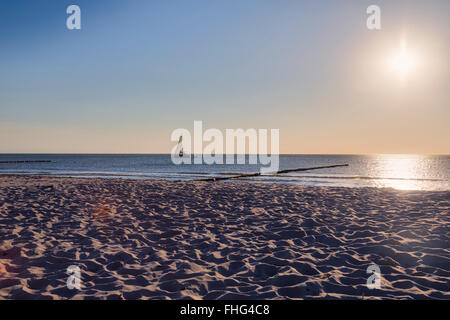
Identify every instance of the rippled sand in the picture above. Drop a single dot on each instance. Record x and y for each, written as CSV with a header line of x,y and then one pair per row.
x,y
202,240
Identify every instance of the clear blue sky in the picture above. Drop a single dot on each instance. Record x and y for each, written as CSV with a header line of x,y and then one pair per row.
x,y
139,69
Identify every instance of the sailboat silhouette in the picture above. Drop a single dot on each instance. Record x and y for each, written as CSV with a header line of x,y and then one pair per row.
x,y
180,145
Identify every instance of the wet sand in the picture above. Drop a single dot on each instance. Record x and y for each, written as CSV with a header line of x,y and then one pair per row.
x,y
223,240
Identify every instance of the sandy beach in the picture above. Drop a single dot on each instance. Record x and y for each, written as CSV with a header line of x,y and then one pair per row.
x,y
227,240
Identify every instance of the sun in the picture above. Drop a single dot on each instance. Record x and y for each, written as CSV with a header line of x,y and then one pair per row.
x,y
403,62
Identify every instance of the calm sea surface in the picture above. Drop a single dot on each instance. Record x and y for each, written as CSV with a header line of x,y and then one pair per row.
x,y
409,172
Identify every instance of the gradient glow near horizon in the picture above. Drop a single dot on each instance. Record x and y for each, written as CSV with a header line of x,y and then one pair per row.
x,y
137,70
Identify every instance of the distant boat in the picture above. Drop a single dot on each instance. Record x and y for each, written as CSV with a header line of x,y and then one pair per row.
x,y
180,145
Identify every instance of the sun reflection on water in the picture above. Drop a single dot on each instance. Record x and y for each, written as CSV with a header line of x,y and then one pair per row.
x,y
404,172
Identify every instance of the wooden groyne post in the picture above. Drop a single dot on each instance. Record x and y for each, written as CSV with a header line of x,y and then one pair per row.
x,y
25,161
246,175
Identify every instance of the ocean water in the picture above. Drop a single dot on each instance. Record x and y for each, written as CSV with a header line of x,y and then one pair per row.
x,y
407,172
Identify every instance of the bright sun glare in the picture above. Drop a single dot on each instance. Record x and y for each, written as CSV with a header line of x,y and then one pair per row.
x,y
403,62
